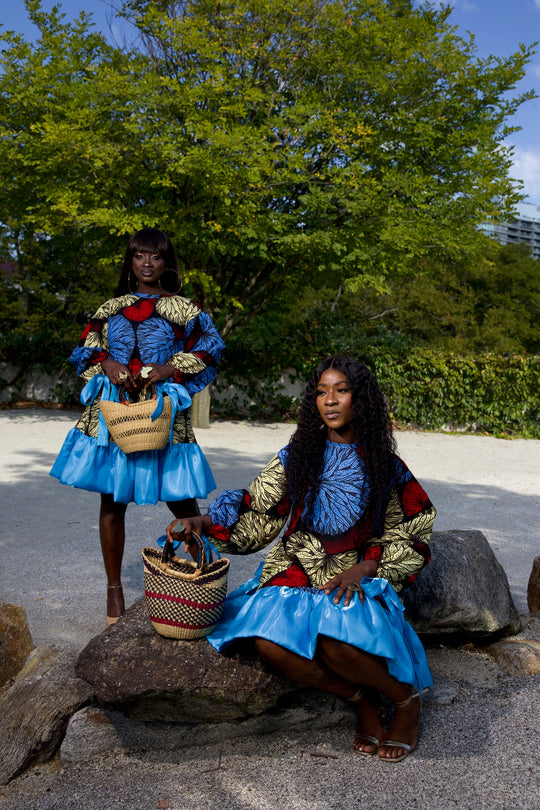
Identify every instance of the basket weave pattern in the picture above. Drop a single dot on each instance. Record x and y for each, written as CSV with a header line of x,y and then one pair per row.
x,y
131,426
184,608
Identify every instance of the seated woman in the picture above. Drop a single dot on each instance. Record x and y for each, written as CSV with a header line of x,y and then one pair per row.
x,y
323,608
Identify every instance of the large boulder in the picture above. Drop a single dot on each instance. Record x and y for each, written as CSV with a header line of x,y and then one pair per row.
x,y
149,677
35,710
15,641
463,593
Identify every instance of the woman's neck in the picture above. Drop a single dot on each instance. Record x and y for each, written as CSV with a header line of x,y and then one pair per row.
x,y
343,435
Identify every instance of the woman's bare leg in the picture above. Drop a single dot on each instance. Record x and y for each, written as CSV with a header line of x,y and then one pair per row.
x,y
305,671
339,669
370,670
314,672
112,534
184,509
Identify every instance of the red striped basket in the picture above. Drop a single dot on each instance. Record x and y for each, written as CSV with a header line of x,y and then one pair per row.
x,y
184,598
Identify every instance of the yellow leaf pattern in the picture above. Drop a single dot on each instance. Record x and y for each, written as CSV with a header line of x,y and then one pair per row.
x,y
186,362
256,528
270,487
398,562
399,559
177,309
319,565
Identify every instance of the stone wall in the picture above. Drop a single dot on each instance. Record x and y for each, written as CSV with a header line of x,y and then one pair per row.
x,y
16,384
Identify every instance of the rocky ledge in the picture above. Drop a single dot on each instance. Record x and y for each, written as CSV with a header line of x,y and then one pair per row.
x,y
131,688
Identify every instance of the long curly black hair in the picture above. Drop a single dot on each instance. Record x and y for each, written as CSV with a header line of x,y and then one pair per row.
x,y
372,433
155,241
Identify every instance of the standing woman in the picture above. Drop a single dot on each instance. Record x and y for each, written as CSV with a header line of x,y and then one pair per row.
x,y
323,608
148,324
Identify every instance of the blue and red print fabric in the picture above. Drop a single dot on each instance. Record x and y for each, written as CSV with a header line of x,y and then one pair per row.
x,y
342,520
138,334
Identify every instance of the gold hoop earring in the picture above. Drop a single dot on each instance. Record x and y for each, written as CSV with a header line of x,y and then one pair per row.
x,y
129,283
166,292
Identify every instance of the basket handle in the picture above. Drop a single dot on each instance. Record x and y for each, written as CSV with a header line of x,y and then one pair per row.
x,y
123,395
199,567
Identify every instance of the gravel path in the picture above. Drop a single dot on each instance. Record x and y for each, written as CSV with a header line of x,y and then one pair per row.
x,y
478,748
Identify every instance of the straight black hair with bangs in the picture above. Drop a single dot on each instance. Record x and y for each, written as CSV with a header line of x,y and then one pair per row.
x,y
155,241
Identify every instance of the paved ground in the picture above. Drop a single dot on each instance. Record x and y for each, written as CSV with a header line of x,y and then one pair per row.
x,y
478,749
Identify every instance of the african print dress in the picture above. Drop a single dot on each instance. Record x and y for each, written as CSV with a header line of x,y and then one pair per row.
x,y
136,329
283,603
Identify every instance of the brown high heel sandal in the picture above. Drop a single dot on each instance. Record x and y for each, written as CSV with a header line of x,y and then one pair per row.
x,y
113,619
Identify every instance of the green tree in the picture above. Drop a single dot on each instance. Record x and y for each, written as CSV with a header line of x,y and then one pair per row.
x,y
489,306
506,295
279,143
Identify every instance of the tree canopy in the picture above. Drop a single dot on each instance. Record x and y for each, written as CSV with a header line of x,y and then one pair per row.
x,y
276,141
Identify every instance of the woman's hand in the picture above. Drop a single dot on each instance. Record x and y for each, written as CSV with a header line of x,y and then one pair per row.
x,y
348,582
156,373
200,524
118,373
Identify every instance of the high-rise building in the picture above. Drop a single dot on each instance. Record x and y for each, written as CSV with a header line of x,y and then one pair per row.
x,y
525,228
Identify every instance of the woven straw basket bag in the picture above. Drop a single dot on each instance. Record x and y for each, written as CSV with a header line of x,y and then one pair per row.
x,y
184,598
130,423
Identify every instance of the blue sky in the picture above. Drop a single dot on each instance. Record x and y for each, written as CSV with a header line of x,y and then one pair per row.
x,y
498,26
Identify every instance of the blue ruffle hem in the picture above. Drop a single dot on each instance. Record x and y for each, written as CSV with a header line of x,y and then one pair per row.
x,y
295,617
177,472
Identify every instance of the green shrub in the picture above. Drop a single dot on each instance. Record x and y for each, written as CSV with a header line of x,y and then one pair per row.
x,y
427,390
486,394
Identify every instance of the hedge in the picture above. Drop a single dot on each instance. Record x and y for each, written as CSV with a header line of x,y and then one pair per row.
x,y
427,390
487,394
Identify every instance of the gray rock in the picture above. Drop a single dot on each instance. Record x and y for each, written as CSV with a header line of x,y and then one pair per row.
x,y
443,692
533,588
519,656
463,592
35,710
94,731
15,641
148,677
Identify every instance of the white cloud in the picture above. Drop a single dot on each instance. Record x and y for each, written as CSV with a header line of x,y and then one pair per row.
x,y
527,169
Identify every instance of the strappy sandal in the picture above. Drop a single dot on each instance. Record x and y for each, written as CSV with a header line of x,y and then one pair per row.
x,y
110,620
394,743
359,735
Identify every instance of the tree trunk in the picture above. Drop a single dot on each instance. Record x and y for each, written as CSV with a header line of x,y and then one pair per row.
x,y
200,408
